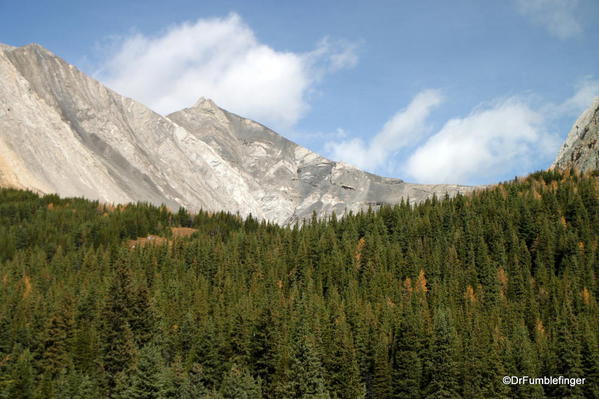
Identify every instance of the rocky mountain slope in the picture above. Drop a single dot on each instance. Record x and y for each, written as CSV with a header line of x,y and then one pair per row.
x,y
581,148
63,132
290,181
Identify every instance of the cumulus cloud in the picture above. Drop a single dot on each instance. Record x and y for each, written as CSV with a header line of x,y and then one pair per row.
x,y
559,17
504,137
402,130
222,59
507,136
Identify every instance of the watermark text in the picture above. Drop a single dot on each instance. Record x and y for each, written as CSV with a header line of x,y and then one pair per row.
x,y
559,380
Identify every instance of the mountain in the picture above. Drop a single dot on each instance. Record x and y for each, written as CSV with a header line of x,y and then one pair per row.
x,y
64,132
581,148
291,181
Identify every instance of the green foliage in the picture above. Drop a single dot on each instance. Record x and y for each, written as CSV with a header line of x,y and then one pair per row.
x,y
239,384
438,300
18,377
145,381
443,367
407,359
307,378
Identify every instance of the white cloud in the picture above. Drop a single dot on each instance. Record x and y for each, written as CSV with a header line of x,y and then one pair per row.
x,y
338,54
402,130
508,136
559,17
222,59
586,91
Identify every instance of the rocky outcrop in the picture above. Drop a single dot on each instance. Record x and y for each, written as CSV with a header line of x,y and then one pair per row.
x,y
63,132
288,181
581,148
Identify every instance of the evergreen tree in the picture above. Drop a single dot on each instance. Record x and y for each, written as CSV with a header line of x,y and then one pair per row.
x,y
443,368
341,363
407,364
590,362
262,346
20,382
307,379
118,342
526,364
205,354
55,357
193,386
145,380
85,335
568,353
239,384
381,371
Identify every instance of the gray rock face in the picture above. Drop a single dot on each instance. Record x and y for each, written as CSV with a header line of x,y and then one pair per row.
x,y
289,181
581,148
63,132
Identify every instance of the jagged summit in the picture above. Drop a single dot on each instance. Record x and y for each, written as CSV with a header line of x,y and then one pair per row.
x,y
206,103
581,148
63,132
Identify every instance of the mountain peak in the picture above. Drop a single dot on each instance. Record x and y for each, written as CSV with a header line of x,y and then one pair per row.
x,y
205,103
31,48
36,47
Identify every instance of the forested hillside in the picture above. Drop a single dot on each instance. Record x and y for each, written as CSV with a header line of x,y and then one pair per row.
x,y
438,300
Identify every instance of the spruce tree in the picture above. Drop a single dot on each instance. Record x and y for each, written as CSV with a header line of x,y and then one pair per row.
x,y
207,357
406,359
443,367
239,384
20,382
145,379
590,361
193,386
381,371
307,379
568,354
262,346
56,345
118,342
340,362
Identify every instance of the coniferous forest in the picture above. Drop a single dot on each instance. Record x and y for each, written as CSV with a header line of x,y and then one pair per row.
x,y
437,300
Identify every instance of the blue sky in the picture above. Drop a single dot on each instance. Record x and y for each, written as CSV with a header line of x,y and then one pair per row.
x,y
429,91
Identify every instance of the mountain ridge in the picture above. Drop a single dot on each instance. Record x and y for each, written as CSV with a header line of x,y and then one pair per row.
x,y
63,132
124,143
